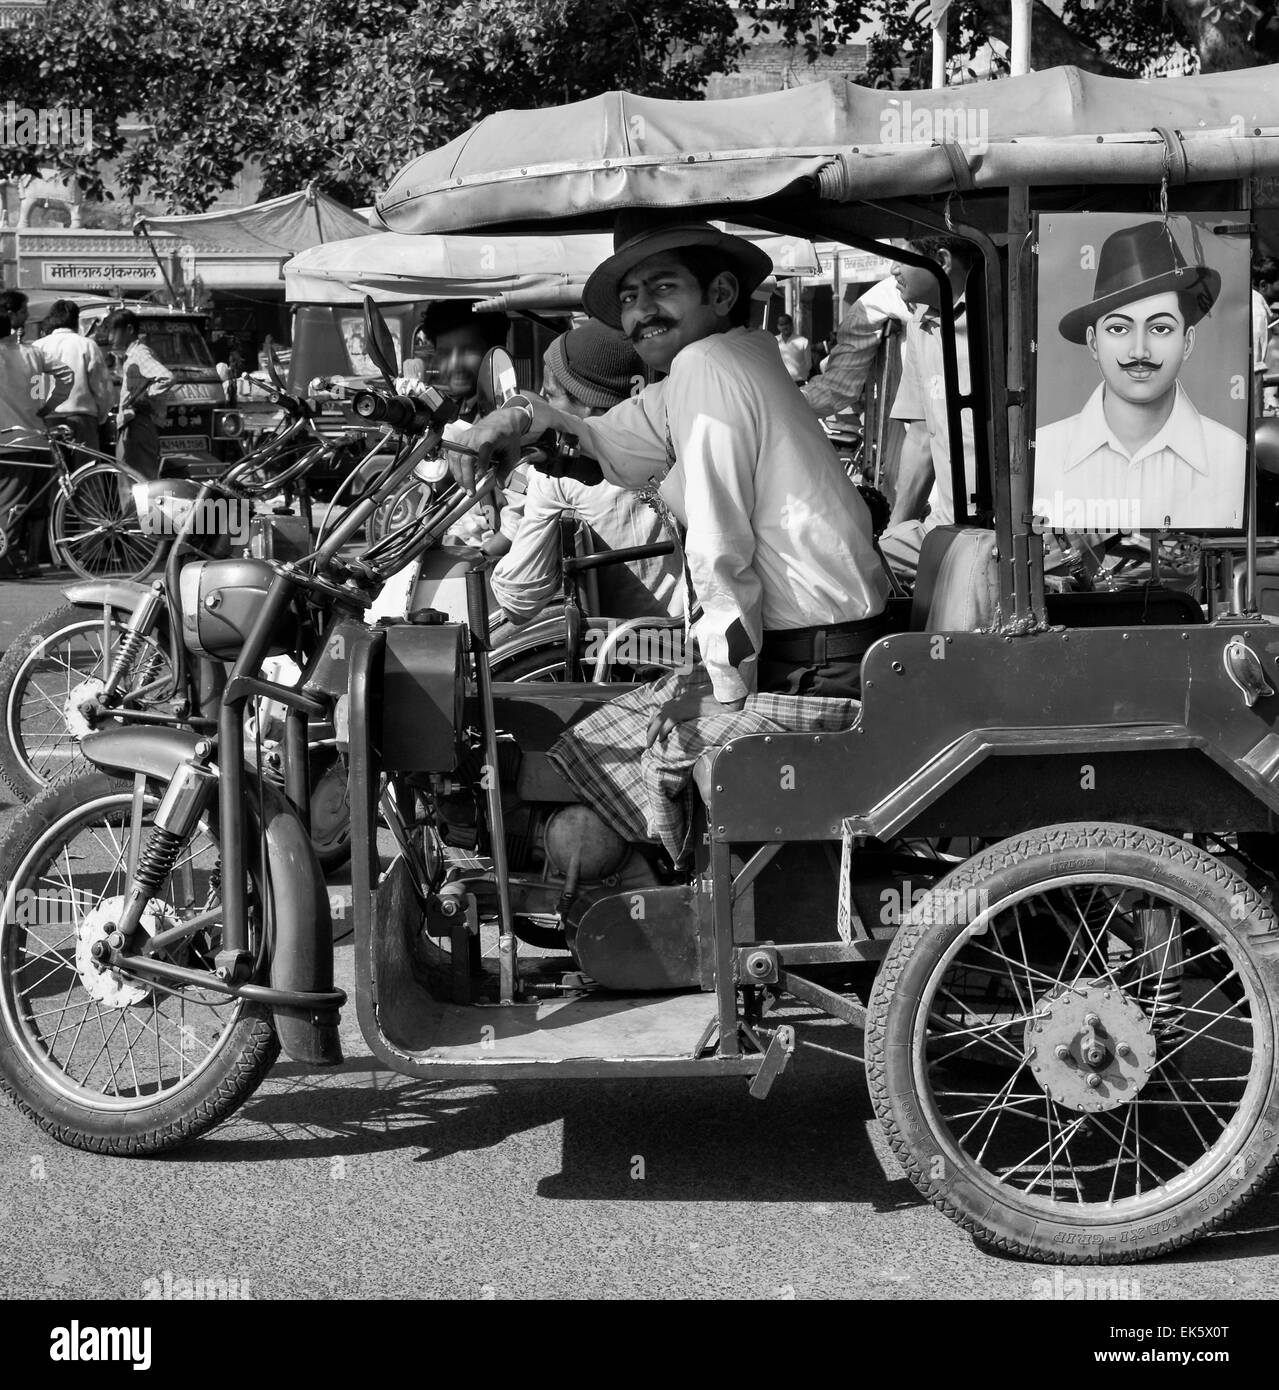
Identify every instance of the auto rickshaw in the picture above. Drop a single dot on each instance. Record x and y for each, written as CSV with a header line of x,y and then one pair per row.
x,y
1037,868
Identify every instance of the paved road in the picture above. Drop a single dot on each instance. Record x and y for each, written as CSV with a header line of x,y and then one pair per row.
x,y
361,1183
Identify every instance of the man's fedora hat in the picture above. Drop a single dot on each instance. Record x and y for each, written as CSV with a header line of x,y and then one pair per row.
x,y
1136,263
640,233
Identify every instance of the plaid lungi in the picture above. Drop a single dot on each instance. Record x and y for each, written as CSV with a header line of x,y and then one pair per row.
x,y
647,793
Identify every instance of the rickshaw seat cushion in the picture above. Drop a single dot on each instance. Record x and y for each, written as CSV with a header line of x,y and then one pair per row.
x,y
957,584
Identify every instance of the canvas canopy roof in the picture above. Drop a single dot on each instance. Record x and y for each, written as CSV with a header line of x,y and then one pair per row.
x,y
279,227
548,271
393,267
592,157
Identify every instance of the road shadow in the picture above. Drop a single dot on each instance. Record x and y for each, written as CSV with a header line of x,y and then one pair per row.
x,y
814,1139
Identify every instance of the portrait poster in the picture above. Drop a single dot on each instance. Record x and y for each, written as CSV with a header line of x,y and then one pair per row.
x,y
1141,372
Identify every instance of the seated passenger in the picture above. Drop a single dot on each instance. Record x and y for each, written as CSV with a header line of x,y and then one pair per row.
x,y
778,546
587,371
788,590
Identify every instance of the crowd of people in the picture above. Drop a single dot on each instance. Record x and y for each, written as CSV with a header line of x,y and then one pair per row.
x,y
62,379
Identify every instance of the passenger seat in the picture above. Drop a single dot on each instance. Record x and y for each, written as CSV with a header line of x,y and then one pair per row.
x,y
957,583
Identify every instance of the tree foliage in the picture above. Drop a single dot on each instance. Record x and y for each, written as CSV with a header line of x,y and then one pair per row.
x,y
340,91
345,92
1115,37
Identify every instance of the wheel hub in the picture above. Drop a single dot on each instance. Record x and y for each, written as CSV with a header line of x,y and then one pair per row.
x,y
1090,1046
109,987
83,700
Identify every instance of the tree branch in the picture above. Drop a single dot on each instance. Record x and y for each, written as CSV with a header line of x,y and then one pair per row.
x,y
1051,43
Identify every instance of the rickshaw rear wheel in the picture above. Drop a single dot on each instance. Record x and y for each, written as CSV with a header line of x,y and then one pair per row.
x,y
1071,1044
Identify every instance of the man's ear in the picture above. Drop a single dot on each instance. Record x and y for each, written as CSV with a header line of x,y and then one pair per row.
x,y
1090,337
1190,343
723,292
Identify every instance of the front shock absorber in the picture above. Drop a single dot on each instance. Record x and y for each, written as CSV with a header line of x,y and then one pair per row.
x,y
141,625
186,799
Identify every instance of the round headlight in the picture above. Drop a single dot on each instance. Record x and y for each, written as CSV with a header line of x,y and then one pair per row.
x,y
229,424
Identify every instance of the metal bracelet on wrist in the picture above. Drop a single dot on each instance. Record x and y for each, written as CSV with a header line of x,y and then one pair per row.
x,y
524,403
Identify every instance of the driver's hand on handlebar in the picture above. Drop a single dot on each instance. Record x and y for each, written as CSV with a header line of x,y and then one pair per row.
x,y
496,442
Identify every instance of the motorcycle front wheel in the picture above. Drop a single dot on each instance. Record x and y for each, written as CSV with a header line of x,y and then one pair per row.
x,y
54,666
100,1059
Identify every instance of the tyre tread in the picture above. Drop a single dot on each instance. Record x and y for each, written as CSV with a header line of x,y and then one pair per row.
x,y
910,935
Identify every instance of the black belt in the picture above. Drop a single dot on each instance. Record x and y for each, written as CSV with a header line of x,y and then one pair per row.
x,y
815,646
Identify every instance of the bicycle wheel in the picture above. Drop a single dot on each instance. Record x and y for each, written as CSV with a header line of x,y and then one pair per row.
x,y
49,673
95,526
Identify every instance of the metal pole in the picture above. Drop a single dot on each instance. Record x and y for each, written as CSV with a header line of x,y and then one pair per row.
x,y
1019,45
939,45
140,229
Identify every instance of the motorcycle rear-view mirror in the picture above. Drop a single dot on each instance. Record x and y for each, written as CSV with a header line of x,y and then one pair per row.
x,y
273,365
497,379
378,342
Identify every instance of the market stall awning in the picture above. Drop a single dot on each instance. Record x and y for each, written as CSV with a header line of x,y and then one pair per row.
x,y
275,229
590,158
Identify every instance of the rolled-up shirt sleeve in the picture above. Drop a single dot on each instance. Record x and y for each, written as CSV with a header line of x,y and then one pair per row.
x,y
527,575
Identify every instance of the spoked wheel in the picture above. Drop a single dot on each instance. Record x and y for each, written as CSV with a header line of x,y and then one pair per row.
x,y
1071,1044
49,676
95,525
100,1059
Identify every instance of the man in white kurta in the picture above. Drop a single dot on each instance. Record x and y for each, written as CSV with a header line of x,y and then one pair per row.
x,y
778,541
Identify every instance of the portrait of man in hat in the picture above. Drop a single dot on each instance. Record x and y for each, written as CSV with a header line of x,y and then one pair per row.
x,y
1140,454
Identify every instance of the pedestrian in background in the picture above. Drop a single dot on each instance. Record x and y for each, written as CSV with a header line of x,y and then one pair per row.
x,y
796,353
89,402
24,449
144,381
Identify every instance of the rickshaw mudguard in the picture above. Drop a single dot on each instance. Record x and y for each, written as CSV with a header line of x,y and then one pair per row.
x,y
1083,703
302,931
415,1033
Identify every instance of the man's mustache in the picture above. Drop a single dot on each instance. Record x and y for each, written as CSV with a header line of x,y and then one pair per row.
x,y
1146,362
641,328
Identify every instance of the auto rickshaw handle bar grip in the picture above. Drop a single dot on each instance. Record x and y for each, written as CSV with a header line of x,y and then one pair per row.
x,y
575,564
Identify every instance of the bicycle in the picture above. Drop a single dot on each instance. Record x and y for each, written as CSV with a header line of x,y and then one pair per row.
x,y
94,528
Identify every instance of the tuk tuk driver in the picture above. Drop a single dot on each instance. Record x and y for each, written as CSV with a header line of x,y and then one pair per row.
x,y
786,589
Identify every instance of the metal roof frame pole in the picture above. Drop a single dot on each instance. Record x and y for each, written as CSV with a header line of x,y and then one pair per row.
x,y
1019,39
938,20
140,229
1028,546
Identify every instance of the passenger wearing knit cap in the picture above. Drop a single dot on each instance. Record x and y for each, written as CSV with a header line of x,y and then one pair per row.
x,y
588,370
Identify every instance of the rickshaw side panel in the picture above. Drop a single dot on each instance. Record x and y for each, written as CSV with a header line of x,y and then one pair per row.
x,y
936,706
415,1033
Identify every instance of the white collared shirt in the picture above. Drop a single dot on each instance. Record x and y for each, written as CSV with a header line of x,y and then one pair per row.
x,y
1189,476
778,537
